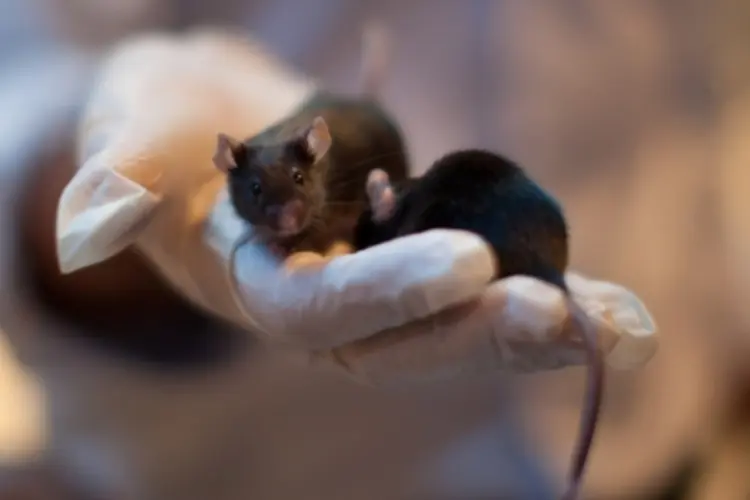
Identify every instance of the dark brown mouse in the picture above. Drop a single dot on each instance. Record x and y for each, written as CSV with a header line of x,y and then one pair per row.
x,y
301,182
489,195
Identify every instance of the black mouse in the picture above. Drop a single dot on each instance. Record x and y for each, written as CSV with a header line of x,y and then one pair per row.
x,y
491,196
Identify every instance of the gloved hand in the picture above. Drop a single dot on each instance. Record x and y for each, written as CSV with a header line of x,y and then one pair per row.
x,y
414,309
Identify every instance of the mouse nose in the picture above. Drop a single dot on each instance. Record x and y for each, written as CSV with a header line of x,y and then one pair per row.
x,y
288,217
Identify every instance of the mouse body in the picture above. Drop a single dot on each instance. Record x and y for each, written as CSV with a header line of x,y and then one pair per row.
x,y
301,182
491,196
488,195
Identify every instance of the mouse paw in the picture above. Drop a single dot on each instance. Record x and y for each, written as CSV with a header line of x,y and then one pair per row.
x,y
380,192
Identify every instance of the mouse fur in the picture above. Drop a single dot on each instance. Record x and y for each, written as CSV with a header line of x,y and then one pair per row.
x,y
360,134
486,194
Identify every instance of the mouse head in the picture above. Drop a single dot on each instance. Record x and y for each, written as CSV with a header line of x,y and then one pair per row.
x,y
278,187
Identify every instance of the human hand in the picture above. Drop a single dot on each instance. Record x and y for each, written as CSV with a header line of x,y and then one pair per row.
x,y
417,308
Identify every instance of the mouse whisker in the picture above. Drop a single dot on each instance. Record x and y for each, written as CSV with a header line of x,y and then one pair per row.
x,y
343,203
372,160
378,157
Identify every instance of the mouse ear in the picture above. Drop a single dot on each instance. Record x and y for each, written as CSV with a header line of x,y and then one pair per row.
x,y
227,150
318,138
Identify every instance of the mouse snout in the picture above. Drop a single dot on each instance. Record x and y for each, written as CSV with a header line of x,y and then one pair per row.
x,y
287,217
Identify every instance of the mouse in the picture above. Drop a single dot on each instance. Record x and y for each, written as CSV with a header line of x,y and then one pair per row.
x,y
485,193
300,183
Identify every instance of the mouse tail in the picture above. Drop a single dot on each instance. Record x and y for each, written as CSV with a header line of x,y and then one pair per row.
x,y
592,397
594,381
375,56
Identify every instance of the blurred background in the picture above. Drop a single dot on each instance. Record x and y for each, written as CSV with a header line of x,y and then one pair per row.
x,y
635,113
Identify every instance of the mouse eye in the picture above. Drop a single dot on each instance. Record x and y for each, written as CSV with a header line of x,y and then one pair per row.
x,y
298,178
256,189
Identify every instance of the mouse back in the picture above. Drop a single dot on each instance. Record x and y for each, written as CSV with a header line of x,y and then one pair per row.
x,y
488,195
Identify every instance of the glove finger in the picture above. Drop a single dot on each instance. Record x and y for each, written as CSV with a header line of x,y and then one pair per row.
x,y
327,303
519,325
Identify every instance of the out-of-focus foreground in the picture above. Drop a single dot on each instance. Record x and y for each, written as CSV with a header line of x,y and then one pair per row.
x,y
636,114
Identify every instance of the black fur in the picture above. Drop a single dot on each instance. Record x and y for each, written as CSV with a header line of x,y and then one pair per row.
x,y
486,194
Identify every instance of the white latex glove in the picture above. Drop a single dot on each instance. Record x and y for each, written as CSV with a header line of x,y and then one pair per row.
x,y
385,314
